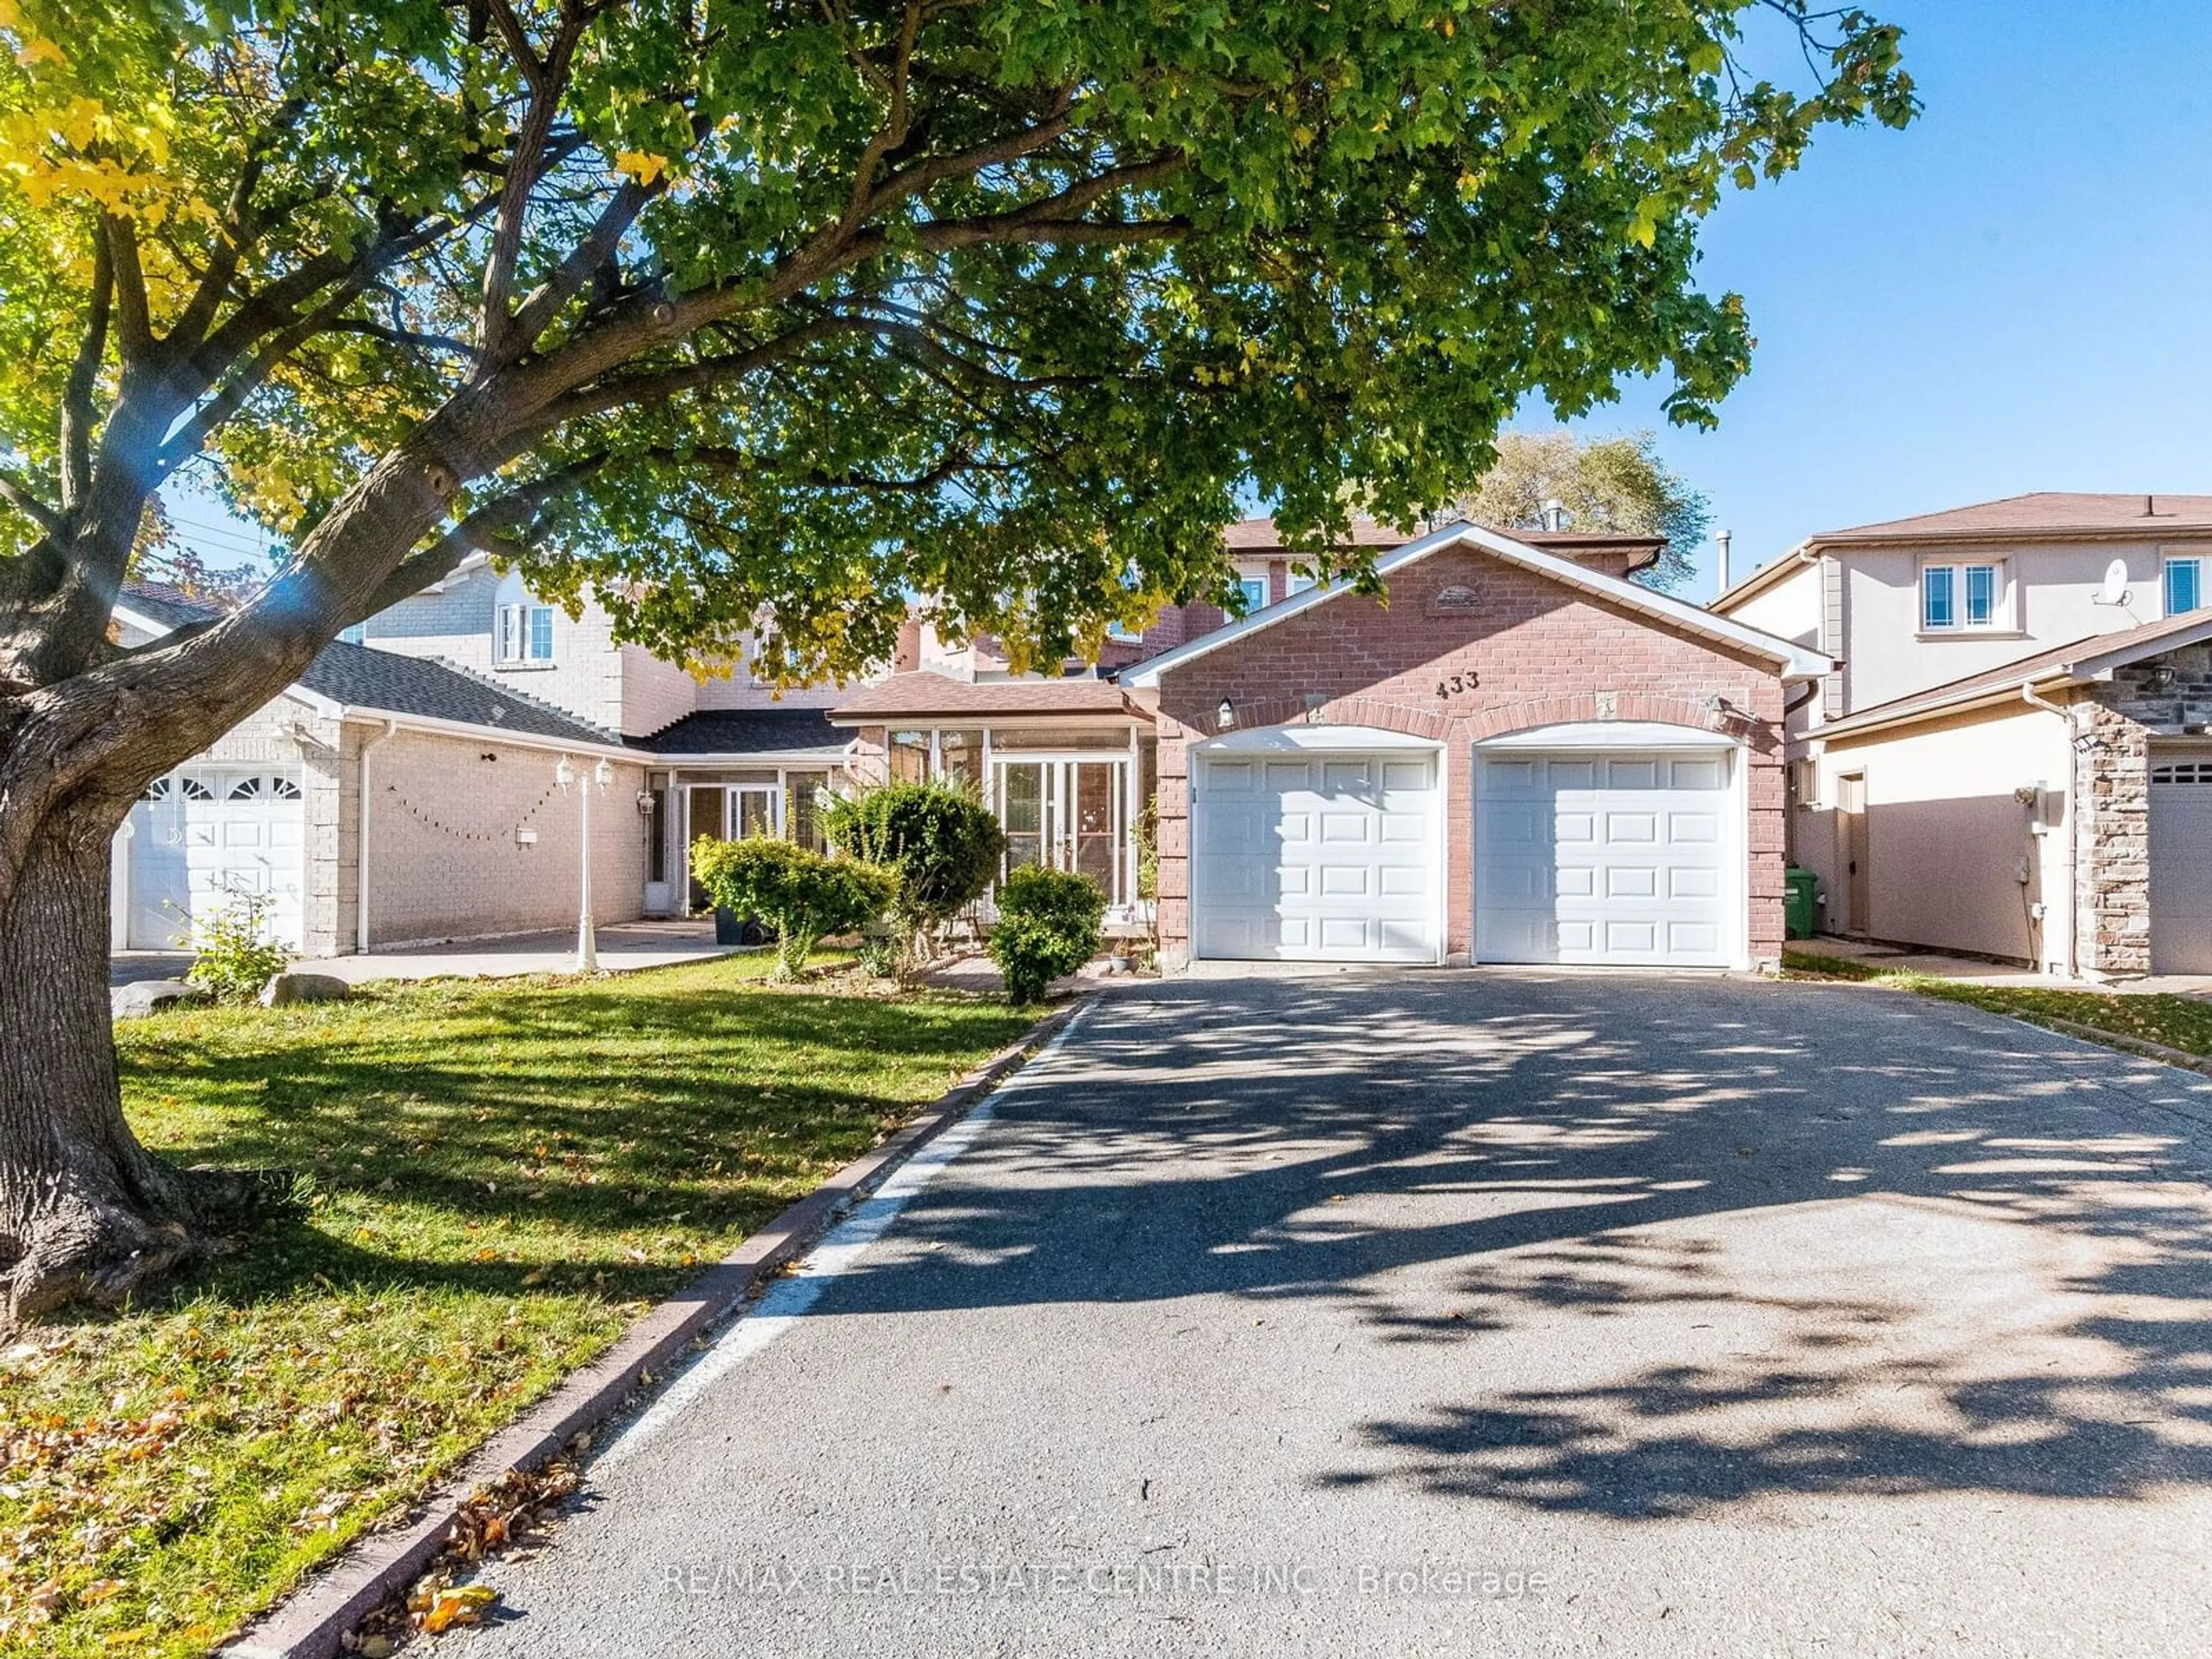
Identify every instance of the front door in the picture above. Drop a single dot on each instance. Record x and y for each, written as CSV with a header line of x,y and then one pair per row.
x,y
1851,827
1067,813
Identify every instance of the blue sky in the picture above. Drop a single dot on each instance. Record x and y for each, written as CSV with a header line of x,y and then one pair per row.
x,y
2015,293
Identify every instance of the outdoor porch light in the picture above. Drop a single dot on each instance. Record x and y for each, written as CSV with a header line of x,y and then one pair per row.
x,y
1224,715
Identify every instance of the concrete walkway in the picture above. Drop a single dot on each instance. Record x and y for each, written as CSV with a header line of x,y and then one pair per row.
x,y
1892,958
1439,1314
621,947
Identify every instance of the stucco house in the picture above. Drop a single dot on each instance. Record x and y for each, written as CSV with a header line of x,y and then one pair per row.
x,y
2012,756
1511,753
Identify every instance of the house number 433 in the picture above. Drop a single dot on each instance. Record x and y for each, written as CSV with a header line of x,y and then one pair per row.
x,y
1453,684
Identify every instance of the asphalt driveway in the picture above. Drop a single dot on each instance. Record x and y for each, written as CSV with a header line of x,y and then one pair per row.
x,y
1460,1313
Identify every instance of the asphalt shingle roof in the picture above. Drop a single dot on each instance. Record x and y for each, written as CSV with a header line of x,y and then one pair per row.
x,y
745,731
2126,645
2047,512
172,606
905,696
387,682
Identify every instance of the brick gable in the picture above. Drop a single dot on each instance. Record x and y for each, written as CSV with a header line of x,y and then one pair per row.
x,y
1526,651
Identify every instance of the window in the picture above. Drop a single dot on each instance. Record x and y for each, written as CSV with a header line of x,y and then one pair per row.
x,y
1962,596
755,811
802,808
960,757
1255,590
2185,585
357,634
525,633
264,788
1300,580
910,756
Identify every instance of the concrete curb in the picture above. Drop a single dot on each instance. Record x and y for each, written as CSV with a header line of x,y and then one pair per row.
x,y
313,1621
2132,1045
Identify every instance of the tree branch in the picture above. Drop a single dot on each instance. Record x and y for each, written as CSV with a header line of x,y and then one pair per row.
x,y
656,385
129,281
79,413
16,491
568,278
192,436
897,123
240,225
493,528
548,78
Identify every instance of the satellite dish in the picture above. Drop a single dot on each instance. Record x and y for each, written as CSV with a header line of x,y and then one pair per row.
x,y
2115,590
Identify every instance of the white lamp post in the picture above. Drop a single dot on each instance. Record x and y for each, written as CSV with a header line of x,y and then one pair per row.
x,y
587,943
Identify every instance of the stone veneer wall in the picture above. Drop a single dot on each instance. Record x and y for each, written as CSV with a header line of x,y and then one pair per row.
x,y
2112,848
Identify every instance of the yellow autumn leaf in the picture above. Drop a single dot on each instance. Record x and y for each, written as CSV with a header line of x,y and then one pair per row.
x,y
641,165
464,1605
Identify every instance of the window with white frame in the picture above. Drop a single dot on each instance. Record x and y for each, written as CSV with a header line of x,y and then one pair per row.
x,y
356,634
1299,581
1955,598
525,633
1255,590
2185,585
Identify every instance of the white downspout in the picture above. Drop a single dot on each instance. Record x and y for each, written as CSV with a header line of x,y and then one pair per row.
x,y
361,842
2030,696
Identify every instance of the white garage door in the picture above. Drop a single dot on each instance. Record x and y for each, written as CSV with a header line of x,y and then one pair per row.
x,y
2181,866
203,834
1599,856
1318,857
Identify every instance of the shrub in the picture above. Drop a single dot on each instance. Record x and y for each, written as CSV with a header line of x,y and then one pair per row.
x,y
233,956
800,894
1049,925
941,841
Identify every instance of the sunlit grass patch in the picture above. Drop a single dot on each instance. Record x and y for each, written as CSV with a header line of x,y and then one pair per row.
x,y
496,1178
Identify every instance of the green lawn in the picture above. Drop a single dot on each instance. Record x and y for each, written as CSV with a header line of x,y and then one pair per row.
x,y
503,1176
2181,1023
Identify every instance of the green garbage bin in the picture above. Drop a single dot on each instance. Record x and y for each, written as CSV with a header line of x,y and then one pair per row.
x,y
1798,905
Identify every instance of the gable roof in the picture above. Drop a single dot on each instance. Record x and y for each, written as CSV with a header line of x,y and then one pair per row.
x,y
920,692
1261,536
1795,660
2076,663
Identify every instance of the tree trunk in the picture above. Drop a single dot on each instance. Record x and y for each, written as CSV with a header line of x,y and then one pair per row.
x,y
86,1212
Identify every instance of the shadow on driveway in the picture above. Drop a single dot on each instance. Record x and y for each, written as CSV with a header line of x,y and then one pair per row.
x,y
1680,1245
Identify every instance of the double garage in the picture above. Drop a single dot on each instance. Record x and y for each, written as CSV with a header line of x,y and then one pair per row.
x,y
1502,752
1601,845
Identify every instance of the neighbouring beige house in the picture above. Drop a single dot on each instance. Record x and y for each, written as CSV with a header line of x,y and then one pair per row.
x,y
1511,752
2011,758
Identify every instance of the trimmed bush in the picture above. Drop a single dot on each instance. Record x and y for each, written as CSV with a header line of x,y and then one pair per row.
x,y
801,895
1049,925
233,954
941,841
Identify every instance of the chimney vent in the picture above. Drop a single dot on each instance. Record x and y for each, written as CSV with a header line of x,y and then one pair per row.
x,y
1554,514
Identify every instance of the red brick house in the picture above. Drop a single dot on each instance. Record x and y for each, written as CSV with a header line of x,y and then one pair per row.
x,y
1520,756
